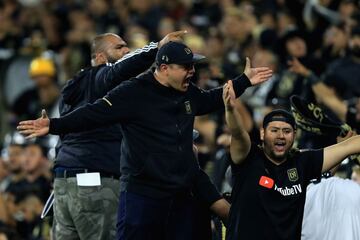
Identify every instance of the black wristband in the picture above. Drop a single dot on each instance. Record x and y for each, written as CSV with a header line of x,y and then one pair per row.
x,y
53,126
241,83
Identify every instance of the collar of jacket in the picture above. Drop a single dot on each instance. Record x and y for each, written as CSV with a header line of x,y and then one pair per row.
x,y
158,87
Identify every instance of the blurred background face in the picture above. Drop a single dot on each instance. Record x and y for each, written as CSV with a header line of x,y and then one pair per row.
x,y
264,58
166,25
346,9
234,27
296,47
3,169
15,158
31,208
354,45
3,236
336,37
43,80
33,158
214,47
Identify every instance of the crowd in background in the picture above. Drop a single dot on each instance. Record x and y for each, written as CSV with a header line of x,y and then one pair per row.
x,y
43,43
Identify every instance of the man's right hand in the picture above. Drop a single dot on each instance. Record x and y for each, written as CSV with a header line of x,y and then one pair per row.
x,y
229,95
172,37
35,128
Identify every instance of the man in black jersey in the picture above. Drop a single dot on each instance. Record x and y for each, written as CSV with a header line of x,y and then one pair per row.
x,y
270,180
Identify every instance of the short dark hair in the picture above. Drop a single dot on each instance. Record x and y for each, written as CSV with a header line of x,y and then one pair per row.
x,y
98,43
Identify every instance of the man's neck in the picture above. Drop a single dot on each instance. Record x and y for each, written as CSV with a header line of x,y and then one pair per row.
x,y
273,161
161,79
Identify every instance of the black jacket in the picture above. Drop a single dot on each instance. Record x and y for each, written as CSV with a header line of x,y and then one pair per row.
x,y
98,149
157,158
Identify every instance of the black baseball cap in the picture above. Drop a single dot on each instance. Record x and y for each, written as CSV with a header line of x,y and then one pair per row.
x,y
176,53
279,115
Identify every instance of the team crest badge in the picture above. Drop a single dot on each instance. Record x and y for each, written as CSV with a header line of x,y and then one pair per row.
x,y
292,174
188,107
187,50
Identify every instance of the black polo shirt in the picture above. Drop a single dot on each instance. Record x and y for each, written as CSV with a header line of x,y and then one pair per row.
x,y
267,199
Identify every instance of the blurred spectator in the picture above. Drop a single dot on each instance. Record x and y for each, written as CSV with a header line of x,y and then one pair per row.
x,y
343,75
37,171
347,8
166,25
292,45
215,51
257,97
236,28
45,93
14,158
285,22
78,37
318,15
4,175
27,187
146,13
334,44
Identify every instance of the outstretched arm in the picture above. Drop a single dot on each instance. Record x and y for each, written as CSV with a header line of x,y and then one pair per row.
x,y
111,109
240,141
334,154
211,100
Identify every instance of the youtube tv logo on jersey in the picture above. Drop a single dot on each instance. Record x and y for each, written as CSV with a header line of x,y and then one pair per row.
x,y
266,182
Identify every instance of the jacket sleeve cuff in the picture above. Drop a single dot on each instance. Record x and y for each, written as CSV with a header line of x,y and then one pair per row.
x,y
54,126
241,83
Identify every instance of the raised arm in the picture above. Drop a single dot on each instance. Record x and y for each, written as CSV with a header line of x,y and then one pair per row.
x,y
334,154
132,64
240,140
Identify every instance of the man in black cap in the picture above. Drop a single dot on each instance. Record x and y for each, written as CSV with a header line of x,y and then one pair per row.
x,y
156,111
270,180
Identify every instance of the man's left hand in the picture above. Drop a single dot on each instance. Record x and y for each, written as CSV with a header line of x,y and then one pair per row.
x,y
257,75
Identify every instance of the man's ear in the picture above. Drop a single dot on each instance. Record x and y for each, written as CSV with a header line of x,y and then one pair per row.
x,y
100,58
262,133
163,68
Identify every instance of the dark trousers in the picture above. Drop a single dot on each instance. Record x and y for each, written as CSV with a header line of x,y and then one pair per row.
x,y
144,218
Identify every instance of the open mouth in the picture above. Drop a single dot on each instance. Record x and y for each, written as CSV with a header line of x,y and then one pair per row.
x,y
186,82
280,146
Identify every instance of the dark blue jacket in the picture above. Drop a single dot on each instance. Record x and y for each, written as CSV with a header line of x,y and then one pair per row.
x,y
98,149
157,157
